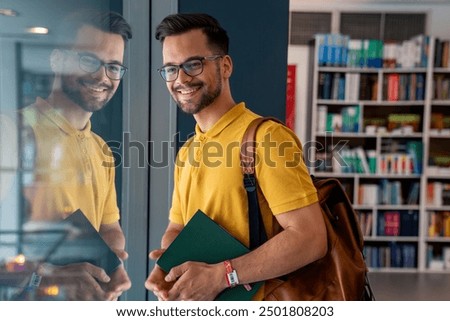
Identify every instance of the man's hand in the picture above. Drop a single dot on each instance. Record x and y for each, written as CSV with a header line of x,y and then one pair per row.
x,y
121,254
78,281
155,281
119,283
195,281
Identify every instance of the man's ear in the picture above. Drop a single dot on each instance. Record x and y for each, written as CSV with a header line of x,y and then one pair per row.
x,y
56,60
228,66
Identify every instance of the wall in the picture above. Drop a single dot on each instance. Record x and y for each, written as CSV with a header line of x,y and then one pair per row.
x,y
258,31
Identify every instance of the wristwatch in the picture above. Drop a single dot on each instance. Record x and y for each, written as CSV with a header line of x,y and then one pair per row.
x,y
232,277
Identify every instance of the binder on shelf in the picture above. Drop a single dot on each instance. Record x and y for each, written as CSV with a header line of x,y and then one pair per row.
x,y
203,240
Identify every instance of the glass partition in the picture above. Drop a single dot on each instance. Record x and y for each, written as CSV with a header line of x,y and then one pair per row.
x,y
45,173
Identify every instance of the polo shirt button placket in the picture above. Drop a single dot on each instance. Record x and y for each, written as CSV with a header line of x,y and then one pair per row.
x,y
83,144
199,151
198,155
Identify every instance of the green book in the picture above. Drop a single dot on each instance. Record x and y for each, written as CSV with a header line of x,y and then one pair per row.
x,y
203,240
71,240
86,246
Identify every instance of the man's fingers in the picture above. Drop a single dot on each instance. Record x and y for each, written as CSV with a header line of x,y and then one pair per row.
x,y
96,272
155,254
162,295
122,254
155,279
176,272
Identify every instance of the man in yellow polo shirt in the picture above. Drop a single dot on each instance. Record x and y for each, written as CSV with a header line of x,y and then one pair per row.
x,y
208,176
73,167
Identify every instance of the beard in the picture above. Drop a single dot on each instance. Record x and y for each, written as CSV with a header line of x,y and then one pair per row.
x,y
77,90
190,106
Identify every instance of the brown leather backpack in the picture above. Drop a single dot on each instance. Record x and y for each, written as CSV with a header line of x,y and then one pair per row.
x,y
342,273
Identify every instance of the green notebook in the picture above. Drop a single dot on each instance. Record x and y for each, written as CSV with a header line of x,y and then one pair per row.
x,y
203,240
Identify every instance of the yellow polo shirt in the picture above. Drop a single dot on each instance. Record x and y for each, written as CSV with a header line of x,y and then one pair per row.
x,y
208,174
74,169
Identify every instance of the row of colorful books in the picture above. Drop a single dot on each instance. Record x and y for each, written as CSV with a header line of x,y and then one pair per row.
x,y
441,86
438,194
396,163
439,224
358,160
396,87
340,50
389,193
398,223
347,160
347,86
345,120
400,87
395,255
441,53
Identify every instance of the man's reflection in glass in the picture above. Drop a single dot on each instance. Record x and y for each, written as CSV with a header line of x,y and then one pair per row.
x,y
68,163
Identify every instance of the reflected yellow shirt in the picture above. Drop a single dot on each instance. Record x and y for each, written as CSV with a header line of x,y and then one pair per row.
x,y
74,169
208,175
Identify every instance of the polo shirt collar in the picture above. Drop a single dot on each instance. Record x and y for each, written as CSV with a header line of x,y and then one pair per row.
x,y
229,117
59,120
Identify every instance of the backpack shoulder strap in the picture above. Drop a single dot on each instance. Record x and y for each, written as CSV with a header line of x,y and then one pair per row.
x,y
248,144
257,232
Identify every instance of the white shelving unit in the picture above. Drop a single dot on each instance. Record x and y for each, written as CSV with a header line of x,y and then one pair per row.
x,y
378,107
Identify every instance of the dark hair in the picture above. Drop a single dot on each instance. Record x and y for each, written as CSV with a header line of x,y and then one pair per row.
x,y
108,21
179,23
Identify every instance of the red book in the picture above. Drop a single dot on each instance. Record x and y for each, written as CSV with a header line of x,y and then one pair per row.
x,y
392,223
290,97
393,87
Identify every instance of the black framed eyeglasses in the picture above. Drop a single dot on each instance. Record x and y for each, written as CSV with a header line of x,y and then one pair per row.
x,y
92,64
192,67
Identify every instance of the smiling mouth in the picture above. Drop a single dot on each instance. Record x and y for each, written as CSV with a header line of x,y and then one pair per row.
x,y
95,88
187,91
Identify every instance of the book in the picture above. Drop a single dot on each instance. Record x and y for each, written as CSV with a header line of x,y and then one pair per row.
x,y
361,155
413,196
85,245
290,97
354,52
203,240
322,44
392,223
322,112
375,53
409,223
390,54
350,119
68,241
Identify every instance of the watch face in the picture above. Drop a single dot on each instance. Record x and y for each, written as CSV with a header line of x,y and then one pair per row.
x,y
232,278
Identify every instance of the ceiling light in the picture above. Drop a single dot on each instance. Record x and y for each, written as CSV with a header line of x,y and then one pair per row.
x,y
8,12
38,30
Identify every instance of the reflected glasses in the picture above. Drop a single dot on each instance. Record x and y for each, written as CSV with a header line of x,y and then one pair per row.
x,y
92,64
192,67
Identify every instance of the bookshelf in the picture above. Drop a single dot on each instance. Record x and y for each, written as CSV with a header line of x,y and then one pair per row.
x,y
381,125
